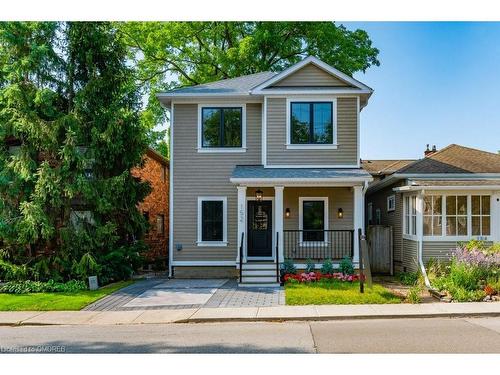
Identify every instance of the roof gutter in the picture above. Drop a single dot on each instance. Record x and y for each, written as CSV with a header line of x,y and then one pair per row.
x,y
468,187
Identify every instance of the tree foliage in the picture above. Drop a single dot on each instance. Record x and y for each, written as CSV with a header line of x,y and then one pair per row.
x,y
173,54
71,130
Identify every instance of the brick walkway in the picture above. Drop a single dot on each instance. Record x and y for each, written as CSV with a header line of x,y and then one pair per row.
x,y
227,295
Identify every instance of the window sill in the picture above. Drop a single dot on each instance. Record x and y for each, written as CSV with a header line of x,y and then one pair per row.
x,y
411,237
212,244
216,150
311,146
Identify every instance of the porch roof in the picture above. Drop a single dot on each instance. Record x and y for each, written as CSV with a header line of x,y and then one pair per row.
x,y
259,174
448,184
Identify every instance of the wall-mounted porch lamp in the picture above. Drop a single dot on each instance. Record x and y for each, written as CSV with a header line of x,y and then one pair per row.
x,y
287,213
340,213
259,194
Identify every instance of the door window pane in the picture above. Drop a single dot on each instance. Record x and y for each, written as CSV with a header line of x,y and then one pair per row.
x,y
313,220
212,220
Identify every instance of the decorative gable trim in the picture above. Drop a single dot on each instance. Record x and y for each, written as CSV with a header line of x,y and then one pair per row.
x,y
320,64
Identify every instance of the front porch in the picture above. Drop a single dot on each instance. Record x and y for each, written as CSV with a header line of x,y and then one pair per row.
x,y
299,218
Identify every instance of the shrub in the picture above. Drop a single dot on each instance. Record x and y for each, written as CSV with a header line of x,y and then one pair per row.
x,y
408,278
288,267
473,245
310,265
413,295
28,286
346,266
327,267
12,272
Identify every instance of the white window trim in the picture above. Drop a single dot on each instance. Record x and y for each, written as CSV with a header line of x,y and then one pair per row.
x,y
408,235
222,243
330,146
301,220
243,147
469,236
391,198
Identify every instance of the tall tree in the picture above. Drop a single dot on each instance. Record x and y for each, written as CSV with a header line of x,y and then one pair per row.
x,y
69,109
173,54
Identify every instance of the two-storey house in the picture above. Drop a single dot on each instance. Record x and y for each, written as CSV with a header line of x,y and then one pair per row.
x,y
265,167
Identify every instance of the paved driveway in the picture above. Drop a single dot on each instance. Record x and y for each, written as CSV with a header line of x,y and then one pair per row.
x,y
192,293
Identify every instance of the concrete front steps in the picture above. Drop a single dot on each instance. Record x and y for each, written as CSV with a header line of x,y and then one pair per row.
x,y
259,275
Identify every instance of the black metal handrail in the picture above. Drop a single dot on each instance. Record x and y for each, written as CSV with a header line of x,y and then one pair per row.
x,y
241,256
277,257
318,244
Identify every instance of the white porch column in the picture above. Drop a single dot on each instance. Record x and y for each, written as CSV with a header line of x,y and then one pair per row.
x,y
242,213
359,210
278,219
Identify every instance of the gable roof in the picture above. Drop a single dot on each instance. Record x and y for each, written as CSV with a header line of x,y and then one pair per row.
x,y
455,159
318,63
253,84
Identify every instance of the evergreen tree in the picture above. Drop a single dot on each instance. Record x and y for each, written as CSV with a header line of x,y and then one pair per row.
x,y
70,121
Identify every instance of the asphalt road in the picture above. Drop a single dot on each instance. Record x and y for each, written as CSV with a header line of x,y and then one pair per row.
x,y
479,335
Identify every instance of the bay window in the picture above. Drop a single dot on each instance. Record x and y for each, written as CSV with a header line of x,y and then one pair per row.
x,y
432,216
456,215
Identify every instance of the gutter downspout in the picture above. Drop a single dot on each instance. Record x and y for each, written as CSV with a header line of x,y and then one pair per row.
x,y
420,233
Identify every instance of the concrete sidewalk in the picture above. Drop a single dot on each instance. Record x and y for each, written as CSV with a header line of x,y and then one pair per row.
x,y
274,313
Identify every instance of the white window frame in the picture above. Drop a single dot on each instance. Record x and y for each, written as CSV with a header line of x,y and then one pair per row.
x,y
329,146
469,236
391,199
243,147
407,217
222,243
301,219
432,216
481,216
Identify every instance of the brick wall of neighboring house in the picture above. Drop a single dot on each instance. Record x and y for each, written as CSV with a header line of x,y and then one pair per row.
x,y
155,205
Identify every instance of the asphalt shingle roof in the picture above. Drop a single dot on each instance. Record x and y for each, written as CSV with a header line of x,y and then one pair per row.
x,y
258,171
384,166
235,86
456,159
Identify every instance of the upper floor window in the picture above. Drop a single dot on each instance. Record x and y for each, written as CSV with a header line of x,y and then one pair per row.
x,y
311,123
222,127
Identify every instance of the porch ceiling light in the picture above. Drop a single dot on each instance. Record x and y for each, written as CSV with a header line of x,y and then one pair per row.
x,y
340,213
259,194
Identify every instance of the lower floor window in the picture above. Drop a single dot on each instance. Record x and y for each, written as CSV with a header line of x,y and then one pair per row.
x,y
314,218
212,220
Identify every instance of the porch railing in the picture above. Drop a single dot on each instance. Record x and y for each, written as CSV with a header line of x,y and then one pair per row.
x,y
318,244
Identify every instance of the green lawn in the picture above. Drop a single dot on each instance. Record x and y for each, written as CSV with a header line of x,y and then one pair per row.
x,y
335,292
56,301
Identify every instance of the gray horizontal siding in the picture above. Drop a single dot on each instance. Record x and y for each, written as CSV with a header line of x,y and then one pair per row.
x,y
312,76
200,174
439,250
410,255
347,137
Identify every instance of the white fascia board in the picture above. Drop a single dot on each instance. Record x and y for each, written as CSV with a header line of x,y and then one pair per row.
x,y
418,188
382,184
320,64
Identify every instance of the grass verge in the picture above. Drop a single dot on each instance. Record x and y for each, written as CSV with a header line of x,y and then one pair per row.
x,y
57,301
335,292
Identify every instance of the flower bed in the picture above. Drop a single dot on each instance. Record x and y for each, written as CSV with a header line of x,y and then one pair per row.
x,y
473,273
305,277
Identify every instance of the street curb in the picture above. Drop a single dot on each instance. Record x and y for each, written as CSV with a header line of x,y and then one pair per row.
x,y
340,317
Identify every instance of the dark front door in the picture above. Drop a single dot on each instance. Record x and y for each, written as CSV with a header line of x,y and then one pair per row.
x,y
260,229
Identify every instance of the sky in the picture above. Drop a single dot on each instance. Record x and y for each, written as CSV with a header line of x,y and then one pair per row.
x,y
437,83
